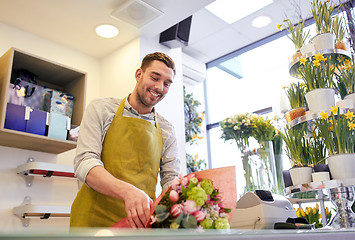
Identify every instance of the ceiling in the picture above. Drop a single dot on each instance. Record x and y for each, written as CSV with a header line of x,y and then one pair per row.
x,y
72,23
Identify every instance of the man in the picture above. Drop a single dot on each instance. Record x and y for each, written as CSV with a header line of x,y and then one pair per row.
x,y
121,147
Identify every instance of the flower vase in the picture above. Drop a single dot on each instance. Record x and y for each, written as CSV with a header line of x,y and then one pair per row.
x,y
323,41
307,49
259,167
350,96
342,166
340,45
301,175
297,112
320,99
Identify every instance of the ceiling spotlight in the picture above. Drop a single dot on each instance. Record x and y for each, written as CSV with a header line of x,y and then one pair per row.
x,y
107,31
261,21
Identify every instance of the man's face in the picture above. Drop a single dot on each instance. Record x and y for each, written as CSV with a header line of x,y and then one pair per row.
x,y
153,83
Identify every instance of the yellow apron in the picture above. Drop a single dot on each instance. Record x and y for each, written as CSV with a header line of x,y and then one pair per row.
x,y
131,152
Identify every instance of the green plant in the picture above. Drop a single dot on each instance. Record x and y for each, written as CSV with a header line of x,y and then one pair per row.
x,y
316,149
193,118
297,34
338,28
295,93
317,72
296,145
322,12
345,79
194,164
312,215
337,131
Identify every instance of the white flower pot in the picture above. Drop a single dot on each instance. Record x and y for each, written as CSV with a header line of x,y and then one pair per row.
x,y
301,175
342,166
320,99
323,41
320,176
350,96
307,49
345,103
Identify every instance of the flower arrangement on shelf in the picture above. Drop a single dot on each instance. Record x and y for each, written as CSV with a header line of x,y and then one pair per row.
x,y
191,202
317,152
322,15
313,216
345,78
339,31
337,131
295,93
296,33
317,72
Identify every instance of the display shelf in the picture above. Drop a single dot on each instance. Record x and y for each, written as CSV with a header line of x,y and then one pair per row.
x,y
313,116
32,168
27,210
50,74
337,56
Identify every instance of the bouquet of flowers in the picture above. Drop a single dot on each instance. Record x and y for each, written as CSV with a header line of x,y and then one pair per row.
x,y
196,201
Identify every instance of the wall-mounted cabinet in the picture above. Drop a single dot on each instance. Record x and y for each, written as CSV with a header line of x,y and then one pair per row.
x,y
51,75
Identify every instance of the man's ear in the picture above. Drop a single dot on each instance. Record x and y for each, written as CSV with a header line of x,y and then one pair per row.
x,y
139,73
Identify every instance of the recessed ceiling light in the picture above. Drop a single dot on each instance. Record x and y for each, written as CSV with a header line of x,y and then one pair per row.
x,y
107,31
261,21
231,11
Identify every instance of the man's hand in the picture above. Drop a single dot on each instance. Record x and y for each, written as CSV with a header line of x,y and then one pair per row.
x,y
138,205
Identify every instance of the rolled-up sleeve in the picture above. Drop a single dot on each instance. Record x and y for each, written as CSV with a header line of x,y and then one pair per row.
x,y
89,146
170,162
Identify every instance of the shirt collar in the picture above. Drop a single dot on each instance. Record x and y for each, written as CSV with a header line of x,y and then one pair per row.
x,y
128,106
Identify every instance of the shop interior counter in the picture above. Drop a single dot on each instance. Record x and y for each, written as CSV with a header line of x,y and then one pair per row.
x,y
156,234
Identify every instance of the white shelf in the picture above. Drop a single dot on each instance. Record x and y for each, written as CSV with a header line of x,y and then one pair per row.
x,y
27,210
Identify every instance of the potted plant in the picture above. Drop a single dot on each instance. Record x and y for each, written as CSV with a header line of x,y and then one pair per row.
x,y
339,31
322,12
295,93
297,152
338,132
297,35
317,72
345,81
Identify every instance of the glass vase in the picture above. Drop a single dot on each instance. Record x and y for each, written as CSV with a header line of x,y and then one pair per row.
x,y
259,167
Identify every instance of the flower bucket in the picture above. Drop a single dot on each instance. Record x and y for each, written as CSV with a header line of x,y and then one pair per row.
x,y
320,99
320,176
307,49
323,41
352,97
345,103
301,175
342,166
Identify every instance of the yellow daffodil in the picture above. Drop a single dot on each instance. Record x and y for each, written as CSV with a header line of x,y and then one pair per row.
x,y
347,67
303,60
351,125
324,115
347,62
316,63
319,57
334,110
341,59
349,115
279,27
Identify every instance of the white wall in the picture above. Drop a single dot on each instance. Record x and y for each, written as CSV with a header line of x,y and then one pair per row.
x,y
110,76
54,191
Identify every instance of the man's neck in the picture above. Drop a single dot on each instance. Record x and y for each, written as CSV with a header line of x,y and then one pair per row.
x,y
140,108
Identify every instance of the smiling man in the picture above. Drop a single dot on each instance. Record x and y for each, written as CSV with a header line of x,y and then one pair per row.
x,y
123,144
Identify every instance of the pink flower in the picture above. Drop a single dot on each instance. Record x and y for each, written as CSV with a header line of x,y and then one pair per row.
x,y
176,210
175,184
174,196
190,207
185,182
199,215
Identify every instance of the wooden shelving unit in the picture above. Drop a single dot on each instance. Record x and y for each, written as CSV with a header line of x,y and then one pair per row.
x,y
50,74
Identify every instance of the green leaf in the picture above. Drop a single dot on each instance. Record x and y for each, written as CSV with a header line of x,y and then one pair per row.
x,y
189,221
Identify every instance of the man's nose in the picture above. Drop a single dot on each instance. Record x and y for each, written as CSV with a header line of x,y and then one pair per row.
x,y
159,85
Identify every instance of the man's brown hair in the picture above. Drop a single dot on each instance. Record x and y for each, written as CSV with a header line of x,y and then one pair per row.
x,y
159,57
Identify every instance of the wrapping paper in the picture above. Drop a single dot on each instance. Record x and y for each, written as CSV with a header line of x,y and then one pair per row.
x,y
223,179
